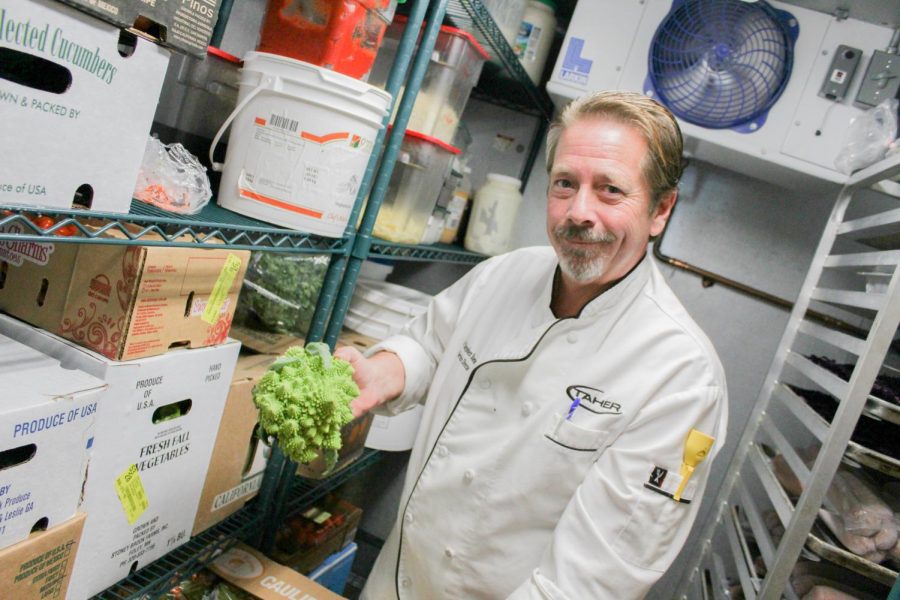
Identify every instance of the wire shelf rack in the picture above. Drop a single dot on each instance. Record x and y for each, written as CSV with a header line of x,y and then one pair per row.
x,y
306,491
503,81
146,225
433,253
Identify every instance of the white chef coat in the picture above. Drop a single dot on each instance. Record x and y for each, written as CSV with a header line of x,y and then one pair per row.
x,y
506,497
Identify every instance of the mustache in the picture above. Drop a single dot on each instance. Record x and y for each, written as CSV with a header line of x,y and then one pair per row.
x,y
576,233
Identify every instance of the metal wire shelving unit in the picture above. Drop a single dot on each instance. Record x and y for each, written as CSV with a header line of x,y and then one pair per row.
x,y
214,227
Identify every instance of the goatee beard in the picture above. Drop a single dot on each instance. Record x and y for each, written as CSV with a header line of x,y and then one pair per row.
x,y
581,264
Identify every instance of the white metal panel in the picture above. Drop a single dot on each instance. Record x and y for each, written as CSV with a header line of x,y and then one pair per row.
x,y
597,45
829,118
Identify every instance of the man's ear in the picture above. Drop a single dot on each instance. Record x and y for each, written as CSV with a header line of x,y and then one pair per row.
x,y
661,213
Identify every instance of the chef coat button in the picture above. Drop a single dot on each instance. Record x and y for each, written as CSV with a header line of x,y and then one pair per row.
x,y
485,384
405,582
468,475
527,407
572,338
442,451
409,517
449,553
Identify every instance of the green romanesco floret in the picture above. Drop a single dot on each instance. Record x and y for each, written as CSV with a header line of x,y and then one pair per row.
x,y
304,400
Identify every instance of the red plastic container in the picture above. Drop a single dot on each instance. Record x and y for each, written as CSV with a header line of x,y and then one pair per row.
x,y
341,35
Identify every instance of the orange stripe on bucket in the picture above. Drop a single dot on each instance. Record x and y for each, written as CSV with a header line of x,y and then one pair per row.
x,y
260,121
343,135
279,204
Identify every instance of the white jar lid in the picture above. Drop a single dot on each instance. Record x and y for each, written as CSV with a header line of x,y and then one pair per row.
x,y
504,179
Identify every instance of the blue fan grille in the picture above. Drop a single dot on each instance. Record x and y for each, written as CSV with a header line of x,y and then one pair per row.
x,y
721,63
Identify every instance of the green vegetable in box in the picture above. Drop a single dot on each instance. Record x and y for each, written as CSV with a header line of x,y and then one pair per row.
x,y
304,400
280,291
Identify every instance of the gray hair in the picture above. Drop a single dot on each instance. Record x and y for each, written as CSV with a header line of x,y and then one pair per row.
x,y
663,164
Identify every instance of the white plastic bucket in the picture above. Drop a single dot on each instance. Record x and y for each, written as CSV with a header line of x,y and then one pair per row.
x,y
300,140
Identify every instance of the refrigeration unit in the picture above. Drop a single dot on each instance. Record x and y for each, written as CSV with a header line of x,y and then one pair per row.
x,y
763,88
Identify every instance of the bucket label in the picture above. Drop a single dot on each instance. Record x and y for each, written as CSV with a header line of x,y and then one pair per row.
x,y
302,167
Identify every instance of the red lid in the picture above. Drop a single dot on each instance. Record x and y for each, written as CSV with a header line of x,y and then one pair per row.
x,y
431,140
454,31
222,54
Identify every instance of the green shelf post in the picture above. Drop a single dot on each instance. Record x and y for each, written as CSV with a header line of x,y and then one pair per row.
x,y
338,263
332,286
434,18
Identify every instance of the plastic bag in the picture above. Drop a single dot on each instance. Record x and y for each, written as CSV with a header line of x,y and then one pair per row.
x,y
280,292
172,178
868,138
857,502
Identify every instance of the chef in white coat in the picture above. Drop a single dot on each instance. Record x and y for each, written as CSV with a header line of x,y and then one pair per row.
x,y
572,408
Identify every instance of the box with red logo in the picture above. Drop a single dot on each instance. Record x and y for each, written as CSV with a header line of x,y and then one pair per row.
x,y
124,302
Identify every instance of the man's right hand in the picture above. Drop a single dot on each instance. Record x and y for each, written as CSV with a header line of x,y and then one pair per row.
x,y
380,378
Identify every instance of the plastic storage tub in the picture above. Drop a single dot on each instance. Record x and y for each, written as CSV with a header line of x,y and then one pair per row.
x,y
379,309
199,96
455,66
422,165
300,140
334,571
341,35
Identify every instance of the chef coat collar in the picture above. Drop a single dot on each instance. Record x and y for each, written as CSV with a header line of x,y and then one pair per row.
x,y
622,290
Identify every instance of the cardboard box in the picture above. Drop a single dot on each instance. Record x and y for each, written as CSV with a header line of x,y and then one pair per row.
x,y
239,458
306,539
47,418
74,113
39,568
181,25
256,574
149,459
124,302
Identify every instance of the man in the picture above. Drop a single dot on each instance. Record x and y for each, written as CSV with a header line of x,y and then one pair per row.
x,y
560,389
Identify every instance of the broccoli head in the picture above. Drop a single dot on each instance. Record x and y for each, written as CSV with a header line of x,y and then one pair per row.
x,y
304,400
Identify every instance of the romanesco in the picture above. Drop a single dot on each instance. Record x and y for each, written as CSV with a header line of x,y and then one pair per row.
x,y
304,400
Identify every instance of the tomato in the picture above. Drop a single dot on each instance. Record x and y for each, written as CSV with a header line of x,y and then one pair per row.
x,y
67,230
43,221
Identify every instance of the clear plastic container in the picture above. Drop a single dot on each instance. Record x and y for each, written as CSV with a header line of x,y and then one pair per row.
x,y
455,66
341,35
535,37
422,165
199,96
494,214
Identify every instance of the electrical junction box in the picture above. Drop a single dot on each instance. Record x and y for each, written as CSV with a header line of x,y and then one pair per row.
x,y
607,46
840,74
881,81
